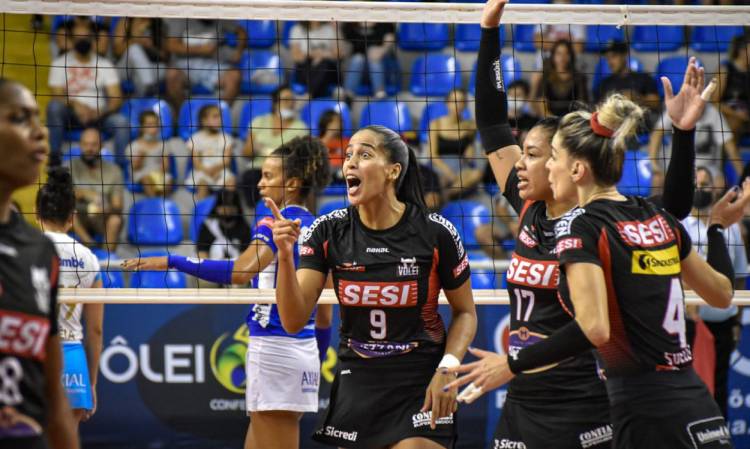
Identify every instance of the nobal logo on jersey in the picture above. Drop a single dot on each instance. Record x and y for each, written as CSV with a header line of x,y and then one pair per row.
x,y
662,262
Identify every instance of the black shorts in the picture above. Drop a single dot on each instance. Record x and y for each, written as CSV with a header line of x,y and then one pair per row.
x,y
670,409
376,403
530,425
24,443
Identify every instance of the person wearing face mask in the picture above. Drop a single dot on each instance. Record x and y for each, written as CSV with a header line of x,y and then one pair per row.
x,y
211,150
723,323
150,157
99,193
266,133
86,92
224,234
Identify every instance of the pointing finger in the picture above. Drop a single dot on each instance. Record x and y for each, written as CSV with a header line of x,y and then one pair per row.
x,y
274,208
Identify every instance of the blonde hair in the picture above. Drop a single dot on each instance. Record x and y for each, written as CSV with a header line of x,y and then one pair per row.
x,y
606,155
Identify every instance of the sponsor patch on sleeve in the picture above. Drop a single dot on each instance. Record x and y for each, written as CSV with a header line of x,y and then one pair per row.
x,y
461,267
305,250
568,243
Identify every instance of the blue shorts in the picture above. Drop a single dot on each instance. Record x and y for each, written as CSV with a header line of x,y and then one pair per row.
x,y
75,377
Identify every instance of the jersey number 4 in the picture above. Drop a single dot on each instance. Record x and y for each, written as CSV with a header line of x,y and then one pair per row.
x,y
674,317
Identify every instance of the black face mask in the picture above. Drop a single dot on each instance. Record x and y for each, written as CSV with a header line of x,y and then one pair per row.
x,y
82,46
702,198
90,160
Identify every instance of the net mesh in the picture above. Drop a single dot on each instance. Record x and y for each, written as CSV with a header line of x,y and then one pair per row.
x,y
187,108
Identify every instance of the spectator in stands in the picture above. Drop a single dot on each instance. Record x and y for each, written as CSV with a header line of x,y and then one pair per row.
x,y
723,323
636,86
453,155
330,127
224,234
520,113
733,93
370,44
211,152
199,46
712,141
502,227
137,47
99,193
85,93
150,157
268,132
315,52
560,85
548,34
64,38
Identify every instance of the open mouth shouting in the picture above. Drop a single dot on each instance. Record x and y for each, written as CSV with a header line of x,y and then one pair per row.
x,y
353,185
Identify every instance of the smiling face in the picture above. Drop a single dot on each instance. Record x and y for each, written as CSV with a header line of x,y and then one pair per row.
x,y
533,176
23,139
368,172
560,167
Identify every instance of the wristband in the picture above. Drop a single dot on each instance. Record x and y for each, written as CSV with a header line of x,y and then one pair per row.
x,y
568,341
216,271
449,361
496,137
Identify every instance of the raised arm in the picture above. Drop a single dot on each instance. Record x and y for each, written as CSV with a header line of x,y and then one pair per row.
x,y
491,105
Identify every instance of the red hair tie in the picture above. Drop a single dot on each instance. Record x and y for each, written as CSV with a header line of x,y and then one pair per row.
x,y
598,128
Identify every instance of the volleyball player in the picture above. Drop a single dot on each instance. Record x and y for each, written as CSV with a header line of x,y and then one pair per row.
x,y
79,268
570,396
282,368
622,259
33,408
389,259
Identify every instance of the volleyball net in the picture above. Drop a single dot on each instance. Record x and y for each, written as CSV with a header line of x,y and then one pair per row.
x,y
188,99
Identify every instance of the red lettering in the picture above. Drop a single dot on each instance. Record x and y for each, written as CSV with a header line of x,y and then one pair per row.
x,y
23,335
655,231
461,267
533,273
378,294
305,250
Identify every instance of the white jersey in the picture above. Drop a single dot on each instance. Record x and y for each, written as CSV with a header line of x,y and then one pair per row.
x,y
79,268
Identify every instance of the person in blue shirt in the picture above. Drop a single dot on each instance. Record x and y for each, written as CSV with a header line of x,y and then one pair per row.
x,y
282,369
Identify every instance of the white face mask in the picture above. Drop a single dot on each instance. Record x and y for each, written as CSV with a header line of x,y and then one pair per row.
x,y
286,114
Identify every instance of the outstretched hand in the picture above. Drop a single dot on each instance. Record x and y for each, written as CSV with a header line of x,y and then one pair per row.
x,y
493,12
285,232
686,108
489,372
731,207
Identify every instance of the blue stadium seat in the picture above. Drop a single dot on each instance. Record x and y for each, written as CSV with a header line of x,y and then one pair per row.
x,y
336,188
636,174
602,70
188,123
467,36
598,36
311,112
286,31
59,21
467,216
511,72
260,33
200,213
713,38
158,279
333,205
261,72
392,78
652,38
674,69
134,107
253,108
523,38
171,168
388,113
481,278
432,111
154,221
423,36
75,152
112,279
434,75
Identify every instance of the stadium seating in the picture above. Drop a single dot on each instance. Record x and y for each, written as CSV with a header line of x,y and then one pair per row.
x,y
511,67
432,111
651,38
435,74
154,222
188,123
261,210
260,33
75,152
388,113
311,112
713,38
134,107
674,69
636,174
200,213
112,279
261,72
157,279
523,38
467,216
138,188
467,36
392,78
333,205
250,110
602,70
423,36
599,36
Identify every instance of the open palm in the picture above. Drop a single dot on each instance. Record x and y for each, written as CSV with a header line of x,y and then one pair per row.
x,y
686,108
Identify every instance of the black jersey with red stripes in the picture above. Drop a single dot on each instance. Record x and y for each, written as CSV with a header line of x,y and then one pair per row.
x,y
639,247
28,317
387,281
536,311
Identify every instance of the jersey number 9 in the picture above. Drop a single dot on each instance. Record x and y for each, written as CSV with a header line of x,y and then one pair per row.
x,y
377,321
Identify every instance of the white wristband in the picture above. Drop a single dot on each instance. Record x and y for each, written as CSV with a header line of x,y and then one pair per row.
x,y
449,361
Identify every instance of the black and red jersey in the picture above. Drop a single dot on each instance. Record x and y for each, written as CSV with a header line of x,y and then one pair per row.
x,y
536,310
387,281
28,317
639,248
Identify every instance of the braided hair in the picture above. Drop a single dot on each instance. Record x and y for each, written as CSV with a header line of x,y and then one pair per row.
x,y
305,158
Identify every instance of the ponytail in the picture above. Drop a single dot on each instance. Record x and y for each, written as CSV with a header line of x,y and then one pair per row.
x,y
56,201
410,190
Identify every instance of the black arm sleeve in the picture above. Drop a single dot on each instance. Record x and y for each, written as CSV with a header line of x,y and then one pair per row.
x,y
718,253
679,181
568,341
510,192
491,106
